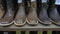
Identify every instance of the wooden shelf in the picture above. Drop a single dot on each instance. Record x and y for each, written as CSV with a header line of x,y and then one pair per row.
x,y
31,28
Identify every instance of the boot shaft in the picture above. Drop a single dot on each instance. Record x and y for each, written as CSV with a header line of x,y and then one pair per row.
x,y
9,4
33,6
21,4
51,3
3,4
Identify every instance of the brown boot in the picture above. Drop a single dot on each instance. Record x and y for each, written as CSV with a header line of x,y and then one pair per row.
x,y
8,18
20,16
32,16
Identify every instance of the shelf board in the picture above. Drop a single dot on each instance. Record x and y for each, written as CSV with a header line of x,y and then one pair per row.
x,y
30,28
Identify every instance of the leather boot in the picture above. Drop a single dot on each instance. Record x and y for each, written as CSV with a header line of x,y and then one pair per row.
x,y
43,16
20,16
32,16
8,18
53,13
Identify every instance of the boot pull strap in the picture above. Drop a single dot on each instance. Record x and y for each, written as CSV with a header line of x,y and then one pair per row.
x,y
33,4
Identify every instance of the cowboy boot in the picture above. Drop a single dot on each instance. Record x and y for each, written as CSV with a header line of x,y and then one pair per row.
x,y
32,16
2,8
20,16
53,13
43,16
8,18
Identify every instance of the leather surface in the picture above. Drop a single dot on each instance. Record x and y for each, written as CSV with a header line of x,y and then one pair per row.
x,y
32,16
2,8
8,17
20,16
43,16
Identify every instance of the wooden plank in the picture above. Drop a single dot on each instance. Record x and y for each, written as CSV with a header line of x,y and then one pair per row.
x,y
31,28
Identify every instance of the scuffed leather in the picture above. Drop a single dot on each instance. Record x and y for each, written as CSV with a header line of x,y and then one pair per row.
x,y
53,12
54,15
32,16
8,18
20,16
43,16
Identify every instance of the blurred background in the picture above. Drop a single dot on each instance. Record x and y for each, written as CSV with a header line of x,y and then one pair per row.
x,y
29,32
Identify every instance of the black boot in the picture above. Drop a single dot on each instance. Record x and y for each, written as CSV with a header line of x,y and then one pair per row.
x,y
53,12
43,16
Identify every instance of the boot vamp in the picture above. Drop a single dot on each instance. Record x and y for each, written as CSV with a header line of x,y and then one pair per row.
x,y
20,17
8,18
21,13
33,15
54,15
10,13
1,13
43,15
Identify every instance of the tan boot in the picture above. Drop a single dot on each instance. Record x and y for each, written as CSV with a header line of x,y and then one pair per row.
x,y
8,18
32,16
20,16
2,8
